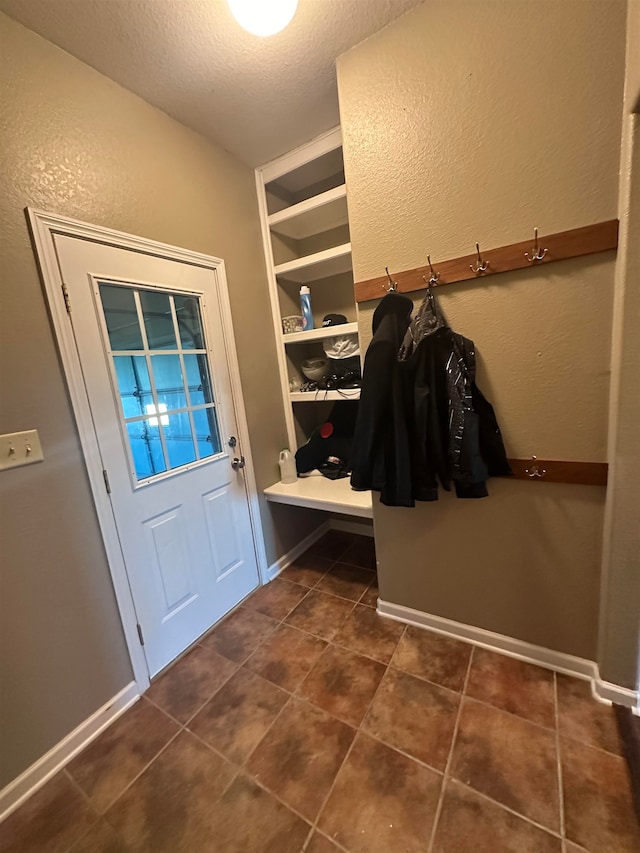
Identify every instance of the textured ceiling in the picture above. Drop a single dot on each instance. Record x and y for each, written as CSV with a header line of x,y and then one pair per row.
x,y
256,97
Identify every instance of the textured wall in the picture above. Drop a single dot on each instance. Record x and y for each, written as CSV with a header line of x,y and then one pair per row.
x,y
77,144
468,121
632,81
619,649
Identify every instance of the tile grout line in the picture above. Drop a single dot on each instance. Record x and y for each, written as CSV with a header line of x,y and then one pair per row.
x,y
316,588
317,636
511,714
92,808
445,776
102,815
553,832
358,731
79,788
307,591
218,625
144,770
478,793
588,745
403,752
241,768
321,834
206,702
212,749
558,761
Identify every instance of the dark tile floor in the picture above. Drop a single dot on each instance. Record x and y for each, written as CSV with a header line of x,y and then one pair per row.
x,y
305,721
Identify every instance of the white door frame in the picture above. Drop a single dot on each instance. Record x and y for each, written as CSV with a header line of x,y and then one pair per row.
x,y
43,226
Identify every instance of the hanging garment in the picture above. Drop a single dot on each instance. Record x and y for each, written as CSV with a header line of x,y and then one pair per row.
x,y
453,430
422,419
380,458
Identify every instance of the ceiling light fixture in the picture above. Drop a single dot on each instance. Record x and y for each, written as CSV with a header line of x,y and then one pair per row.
x,y
263,17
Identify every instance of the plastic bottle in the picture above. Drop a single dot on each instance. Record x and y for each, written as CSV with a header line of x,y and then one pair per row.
x,y
305,305
287,462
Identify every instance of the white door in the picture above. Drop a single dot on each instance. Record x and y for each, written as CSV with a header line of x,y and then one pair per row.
x,y
149,335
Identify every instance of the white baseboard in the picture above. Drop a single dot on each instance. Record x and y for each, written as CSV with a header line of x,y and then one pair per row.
x,y
608,692
549,658
34,777
361,528
280,565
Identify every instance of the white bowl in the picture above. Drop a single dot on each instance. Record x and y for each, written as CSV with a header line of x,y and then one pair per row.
x,y
315,368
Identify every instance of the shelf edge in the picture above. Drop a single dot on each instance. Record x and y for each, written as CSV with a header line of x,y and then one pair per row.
x,y
306,206
313,260
320,334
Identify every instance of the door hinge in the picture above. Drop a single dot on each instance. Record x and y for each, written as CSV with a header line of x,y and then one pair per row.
x,y
140,635
107,484
67,300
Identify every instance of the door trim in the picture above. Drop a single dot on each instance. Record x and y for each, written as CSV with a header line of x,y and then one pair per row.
x,y
43,226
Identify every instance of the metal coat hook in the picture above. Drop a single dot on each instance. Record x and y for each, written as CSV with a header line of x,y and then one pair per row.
x,y
535,470
481,266
434,277
537,254
427,281
393,285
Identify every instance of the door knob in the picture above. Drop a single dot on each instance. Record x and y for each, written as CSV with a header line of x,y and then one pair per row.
x,y
238,463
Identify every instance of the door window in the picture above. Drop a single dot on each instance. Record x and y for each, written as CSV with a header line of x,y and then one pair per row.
x,y
157,347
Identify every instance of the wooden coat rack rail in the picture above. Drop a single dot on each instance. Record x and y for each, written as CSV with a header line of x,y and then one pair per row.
x,y
587,240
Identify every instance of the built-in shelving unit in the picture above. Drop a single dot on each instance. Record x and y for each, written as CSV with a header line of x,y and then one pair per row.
x,y
305,227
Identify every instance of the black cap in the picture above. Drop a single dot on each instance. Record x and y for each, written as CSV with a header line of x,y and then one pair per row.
x,y
334,320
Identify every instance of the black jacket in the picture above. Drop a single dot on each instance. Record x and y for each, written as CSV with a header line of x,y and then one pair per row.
x,y
380,459
435,425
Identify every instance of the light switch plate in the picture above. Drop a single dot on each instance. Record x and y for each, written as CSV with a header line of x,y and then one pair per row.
x,y
20,448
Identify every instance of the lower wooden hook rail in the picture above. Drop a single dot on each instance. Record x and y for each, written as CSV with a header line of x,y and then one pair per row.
x,y
556,471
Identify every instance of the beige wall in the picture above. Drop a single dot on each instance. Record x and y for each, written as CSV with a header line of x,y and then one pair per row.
x,y
467,121
619,646
76,144
632,81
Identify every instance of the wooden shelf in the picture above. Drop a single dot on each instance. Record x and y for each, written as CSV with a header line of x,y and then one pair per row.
x,y
318,266
590,239
322,396
313,216
319,334
318,492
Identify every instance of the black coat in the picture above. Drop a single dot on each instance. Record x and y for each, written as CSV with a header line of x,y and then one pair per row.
x,y
380,459
455,436
422,419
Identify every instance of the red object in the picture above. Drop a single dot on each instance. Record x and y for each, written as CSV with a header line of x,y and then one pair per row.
x,y
326,430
